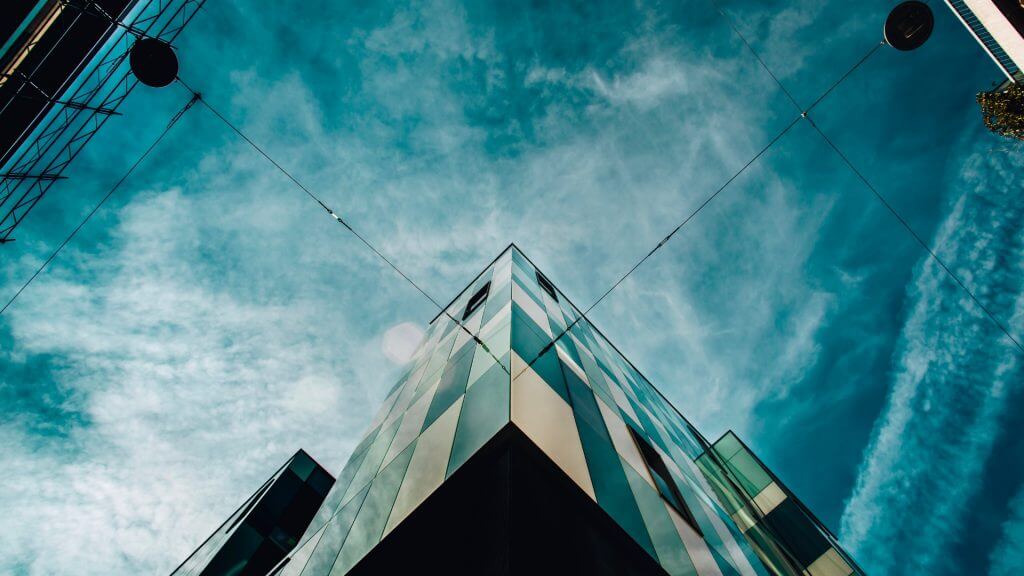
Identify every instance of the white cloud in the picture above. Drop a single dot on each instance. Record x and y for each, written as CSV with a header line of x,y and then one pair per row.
x,y
1007,557
952,375
192,394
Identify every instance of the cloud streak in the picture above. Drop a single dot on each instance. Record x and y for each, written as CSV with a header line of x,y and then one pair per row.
x,y
1007,557
950,383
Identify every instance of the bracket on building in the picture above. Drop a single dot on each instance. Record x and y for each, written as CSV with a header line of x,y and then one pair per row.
x,y
27,176
43,96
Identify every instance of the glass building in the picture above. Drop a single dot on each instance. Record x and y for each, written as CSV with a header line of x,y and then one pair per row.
x,y
266,526
787,536
504,449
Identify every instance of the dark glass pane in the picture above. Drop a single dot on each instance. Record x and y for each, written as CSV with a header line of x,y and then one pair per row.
x,y
302,465
236,552
320,481
474,303
546,285
273,504
804,541
663,479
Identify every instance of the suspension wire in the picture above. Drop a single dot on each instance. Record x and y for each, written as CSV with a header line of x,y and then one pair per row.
x,y
750,48
842,78
892,210
665,240
860,175
196,97
718,8
338,218
804,114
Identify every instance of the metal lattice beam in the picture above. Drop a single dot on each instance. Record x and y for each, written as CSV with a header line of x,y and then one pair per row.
x,y
86,106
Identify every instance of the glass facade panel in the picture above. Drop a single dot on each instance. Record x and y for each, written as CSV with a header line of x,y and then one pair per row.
x,y
429,462
369,523
326,552
485,411
371,462
453,383
611,487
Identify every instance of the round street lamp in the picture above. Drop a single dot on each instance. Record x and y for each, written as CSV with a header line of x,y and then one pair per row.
x,y
153,62
909,25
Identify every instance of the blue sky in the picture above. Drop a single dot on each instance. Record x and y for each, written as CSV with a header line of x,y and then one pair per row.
x,y
211,319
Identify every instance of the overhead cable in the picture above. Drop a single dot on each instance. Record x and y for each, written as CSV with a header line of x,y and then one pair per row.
x,y
174,120
860,175
334,215
804,114
931,253
665,240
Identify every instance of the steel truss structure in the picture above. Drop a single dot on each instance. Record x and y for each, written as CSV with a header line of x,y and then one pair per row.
x,y
85,105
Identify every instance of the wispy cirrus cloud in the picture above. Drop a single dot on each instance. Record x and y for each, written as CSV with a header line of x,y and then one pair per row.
x,y
192,387
1007,556
953,375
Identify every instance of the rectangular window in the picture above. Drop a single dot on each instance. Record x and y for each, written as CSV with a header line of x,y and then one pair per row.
x,y
476,301
663,479
547,286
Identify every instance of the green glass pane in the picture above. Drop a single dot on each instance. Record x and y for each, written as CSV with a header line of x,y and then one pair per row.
x,y
527,340
336,494
766,545
597,381
448,325
750,474
437,361
369,524
611,487
484,412
549,367
727,496
482,362
555,318
711,536
453,383
651,432
333,538
728,445
520,260
529,287
582,400
725,566
500,297
374,456
569,347
670,550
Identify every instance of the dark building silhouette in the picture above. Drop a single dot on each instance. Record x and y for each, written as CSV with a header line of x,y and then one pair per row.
x,y
267,526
